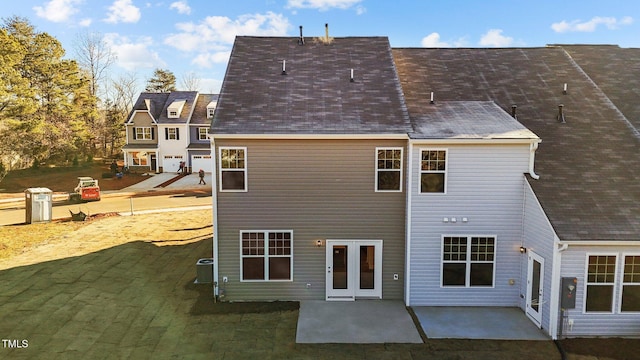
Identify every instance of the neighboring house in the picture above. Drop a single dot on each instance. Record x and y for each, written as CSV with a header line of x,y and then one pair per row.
x,y
165,129
580,219
310,153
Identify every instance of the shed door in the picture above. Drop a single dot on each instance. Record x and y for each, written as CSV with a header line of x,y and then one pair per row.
x,y
535,277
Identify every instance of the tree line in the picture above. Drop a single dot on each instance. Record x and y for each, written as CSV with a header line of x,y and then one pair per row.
x,y
58,110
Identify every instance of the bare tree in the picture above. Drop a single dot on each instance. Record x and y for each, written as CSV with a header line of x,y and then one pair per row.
x,y
190,82
94,56
121,95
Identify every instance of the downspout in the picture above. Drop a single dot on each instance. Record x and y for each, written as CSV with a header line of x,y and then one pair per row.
x,y
532,156
407,250
555,287
214,197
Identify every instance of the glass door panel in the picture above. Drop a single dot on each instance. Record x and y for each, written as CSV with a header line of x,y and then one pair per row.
x,y
367,267
340,267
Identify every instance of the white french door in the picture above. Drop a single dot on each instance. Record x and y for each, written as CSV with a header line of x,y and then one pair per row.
x,y
535,281
354,269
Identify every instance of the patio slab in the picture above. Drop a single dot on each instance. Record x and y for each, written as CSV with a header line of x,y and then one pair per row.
x,y
356,322
499,323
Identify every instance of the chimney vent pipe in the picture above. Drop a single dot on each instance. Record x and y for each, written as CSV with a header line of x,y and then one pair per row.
x,y
431,100
351,78
564,89
284,67
514,107
326,32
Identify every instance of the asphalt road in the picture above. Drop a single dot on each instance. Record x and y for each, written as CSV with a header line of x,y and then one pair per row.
x,y
15,213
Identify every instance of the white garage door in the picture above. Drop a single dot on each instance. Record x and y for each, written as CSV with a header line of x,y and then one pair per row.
x,y
201,162
171,163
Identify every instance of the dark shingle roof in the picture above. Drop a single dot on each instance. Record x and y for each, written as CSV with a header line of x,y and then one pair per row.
x,y
199,116
589,166
189,96
157,101
616,71
316,96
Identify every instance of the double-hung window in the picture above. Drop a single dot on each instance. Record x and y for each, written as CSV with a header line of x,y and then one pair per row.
x,y
468,260
266,255
233,168
389,169
172,133
143,133
433,171
631,284
601,279
202,133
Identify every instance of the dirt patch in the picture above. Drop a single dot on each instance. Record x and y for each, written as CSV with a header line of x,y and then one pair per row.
x,y
64,179
602,348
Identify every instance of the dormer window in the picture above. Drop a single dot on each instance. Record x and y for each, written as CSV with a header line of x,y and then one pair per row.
x,y
211,108
174,110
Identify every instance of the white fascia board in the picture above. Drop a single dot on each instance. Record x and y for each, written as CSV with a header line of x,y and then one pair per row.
x,y
311,136
600,243
472,141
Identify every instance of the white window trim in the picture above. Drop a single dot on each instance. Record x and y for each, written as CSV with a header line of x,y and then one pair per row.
x,y
622,283
266,256
220,170
401,170
615,283
175,133
420,171
468,262
200,135
144,137
210,112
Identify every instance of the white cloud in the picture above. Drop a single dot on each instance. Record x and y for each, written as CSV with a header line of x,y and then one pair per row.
x,y
211,38
494,38
433,40
591,25
123,11
85,22
133,55
321,5
360,10
206,60
210,86
57,10
181,6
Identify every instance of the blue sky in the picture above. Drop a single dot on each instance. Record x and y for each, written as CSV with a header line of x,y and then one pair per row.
x,y
196,36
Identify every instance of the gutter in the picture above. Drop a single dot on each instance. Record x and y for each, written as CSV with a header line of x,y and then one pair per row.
x,y
532,156
214,199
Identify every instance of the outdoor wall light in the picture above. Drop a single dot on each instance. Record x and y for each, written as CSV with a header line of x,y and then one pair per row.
x,y
319,242
523,249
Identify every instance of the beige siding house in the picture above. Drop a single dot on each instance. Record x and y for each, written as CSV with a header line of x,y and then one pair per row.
x,y
310,171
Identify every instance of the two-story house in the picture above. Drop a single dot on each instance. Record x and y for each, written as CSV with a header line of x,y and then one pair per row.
x,y
165,129
575,272
310,156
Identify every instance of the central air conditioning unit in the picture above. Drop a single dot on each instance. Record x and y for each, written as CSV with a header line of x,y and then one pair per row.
x,y
204,270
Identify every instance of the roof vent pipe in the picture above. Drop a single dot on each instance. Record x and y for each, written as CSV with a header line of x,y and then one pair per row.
x,y
564,89
326,32
514,107
351,78
301,39
431,100
561,114
284,67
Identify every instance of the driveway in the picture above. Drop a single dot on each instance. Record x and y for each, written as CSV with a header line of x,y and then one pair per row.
x,y
122,287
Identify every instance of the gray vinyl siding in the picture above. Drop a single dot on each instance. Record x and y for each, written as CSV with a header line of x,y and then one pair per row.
x,y
589,324
142,120
485,185
539,237
193,135
319,189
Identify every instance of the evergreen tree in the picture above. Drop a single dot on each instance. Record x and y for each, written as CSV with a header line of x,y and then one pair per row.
x,y
161,81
